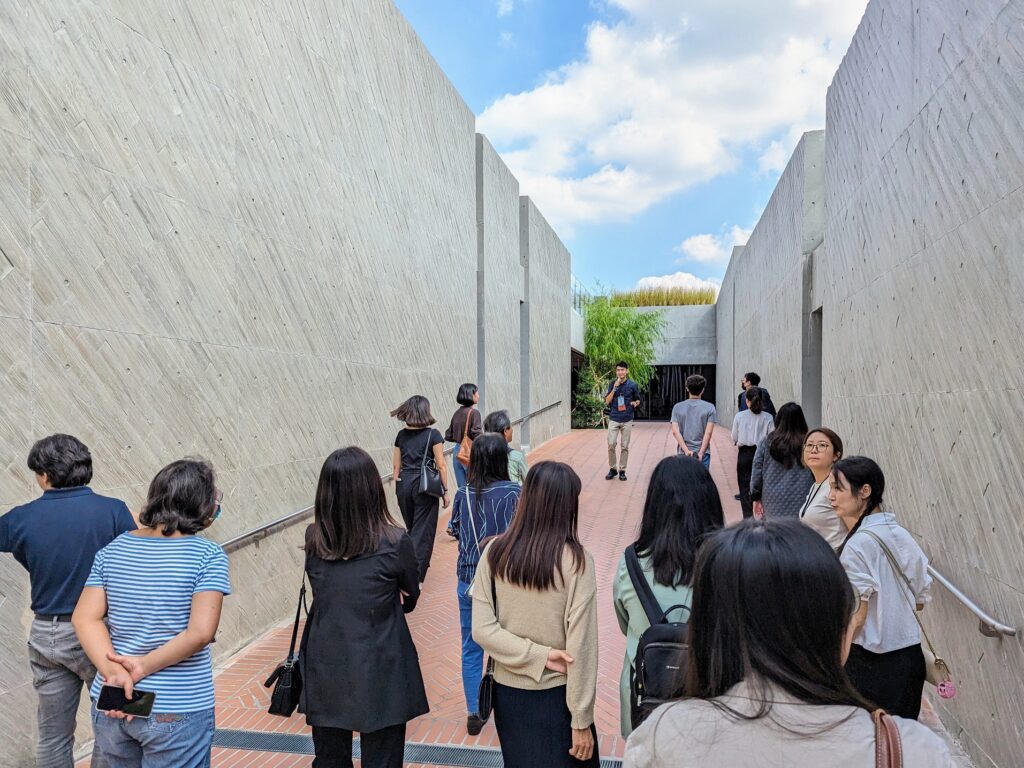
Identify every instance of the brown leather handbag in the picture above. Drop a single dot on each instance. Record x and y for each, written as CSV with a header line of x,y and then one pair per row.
x,y
466,446
888,747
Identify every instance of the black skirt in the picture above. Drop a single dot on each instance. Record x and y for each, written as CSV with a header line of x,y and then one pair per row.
x,y
893,681
535,729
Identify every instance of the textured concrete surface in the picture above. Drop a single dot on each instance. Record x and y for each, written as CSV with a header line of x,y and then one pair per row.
x,y
243,231
690,336
760,305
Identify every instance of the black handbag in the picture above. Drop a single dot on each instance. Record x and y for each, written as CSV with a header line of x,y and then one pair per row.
x,y
485,693
287,678
430,476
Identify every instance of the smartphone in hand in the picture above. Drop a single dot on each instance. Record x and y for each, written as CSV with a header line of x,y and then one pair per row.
x,y
112,698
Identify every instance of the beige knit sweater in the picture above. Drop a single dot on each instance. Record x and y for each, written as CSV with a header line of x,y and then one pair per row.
x,y
532,623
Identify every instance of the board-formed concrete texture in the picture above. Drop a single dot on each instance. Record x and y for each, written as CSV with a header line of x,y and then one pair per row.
x,y
689,337
245,232
922,293
548,273
760,303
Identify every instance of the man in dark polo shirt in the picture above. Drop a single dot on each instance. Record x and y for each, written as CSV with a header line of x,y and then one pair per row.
x,y
56,537
622,398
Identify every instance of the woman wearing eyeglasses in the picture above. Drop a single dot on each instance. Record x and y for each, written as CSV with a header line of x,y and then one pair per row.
x,y
822,449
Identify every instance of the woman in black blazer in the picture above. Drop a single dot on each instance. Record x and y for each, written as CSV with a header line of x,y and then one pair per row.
x,y
359,665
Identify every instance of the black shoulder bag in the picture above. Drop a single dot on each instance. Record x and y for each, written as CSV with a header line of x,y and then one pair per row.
x,y
287,679
430,476
486,690
659,669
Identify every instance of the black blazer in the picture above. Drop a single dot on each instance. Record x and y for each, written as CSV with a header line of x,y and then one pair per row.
x,y
360,668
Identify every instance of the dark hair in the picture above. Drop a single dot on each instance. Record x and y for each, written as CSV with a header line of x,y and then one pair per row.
x,y
497,421
682,507
530,552
753,378
837,442
860,471
622,364
351,510
415,412
786,443
755,400
65,460
182,497
466,392
695,384
744,627
488,462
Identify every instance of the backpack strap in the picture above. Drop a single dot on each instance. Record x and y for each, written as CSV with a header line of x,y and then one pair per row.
x,y
643,590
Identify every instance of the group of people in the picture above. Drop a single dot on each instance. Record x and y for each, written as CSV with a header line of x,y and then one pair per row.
x,y
800,621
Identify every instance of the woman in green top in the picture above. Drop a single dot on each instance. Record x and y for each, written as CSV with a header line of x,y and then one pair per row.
x,y
682,508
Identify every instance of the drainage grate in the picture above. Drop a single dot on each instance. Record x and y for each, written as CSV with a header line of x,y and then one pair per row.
x,y
427,754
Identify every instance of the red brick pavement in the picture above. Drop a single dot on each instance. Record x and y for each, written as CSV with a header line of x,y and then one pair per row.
x,y
609,516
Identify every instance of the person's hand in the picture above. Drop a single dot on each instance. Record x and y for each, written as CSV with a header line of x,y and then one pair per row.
x,y
445,500
119,676
582,744
635,403
700,456
758,510
687,453
558,661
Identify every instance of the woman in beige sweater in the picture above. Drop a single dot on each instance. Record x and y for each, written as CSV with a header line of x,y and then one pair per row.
x,y
535,614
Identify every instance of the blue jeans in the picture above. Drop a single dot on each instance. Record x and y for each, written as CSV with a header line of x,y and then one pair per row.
x,y
159,741
460,471
706,461
472,654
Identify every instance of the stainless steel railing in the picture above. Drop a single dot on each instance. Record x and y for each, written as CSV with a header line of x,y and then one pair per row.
x,y
988,626
261,532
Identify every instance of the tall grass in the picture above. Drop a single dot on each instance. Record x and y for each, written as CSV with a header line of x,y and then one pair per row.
x,y
663,297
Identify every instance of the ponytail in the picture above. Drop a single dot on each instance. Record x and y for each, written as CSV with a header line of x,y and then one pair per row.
x,y
755,401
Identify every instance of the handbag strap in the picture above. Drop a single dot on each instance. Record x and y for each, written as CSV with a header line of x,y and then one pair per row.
x,y
494,599
469,418
476,538
298,616
894,564
426,447
888,745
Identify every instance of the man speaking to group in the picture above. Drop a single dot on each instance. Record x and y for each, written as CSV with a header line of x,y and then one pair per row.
x,y
622,398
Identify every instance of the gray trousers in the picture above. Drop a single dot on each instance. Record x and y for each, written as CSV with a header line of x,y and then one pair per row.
x,y
59,668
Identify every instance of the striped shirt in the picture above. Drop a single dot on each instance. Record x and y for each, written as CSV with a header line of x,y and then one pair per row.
x,y
149,583
473,521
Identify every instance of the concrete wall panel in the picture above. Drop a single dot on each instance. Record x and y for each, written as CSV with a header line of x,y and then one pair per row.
x,y
690,336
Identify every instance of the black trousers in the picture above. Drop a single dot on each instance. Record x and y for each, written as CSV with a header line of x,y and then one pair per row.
x,y
744,465
419,511
893,681
535,729
380,749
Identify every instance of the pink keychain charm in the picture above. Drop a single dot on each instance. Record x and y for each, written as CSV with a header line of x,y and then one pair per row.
x,y
947,689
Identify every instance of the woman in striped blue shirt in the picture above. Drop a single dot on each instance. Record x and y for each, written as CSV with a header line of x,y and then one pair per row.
x,y
161,589
483,507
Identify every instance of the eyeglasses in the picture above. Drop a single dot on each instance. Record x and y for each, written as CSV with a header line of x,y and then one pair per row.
x,y
817,447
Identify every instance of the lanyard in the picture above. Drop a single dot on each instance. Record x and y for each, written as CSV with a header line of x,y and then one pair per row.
x,y
810,498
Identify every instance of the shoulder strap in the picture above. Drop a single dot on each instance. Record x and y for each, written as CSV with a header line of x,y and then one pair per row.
x,y
643,589
298,615
888,746
469,418
476,536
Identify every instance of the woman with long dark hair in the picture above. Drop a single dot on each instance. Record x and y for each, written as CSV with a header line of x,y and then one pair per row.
x,y
682,507
483,508
749,428
778,479
822,449
466,422
149,611
359,665
766,687
415,444
535,613
886,661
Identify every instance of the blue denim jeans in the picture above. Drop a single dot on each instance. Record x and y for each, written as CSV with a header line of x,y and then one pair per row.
x,y
472,654
159,741
706,461
460,471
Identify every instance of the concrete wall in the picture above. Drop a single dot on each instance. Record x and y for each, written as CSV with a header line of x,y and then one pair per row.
x,y
690,336
923,306
546,372
760,306
243,232
914,301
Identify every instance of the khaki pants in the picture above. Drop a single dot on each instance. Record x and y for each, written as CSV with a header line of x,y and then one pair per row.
x,y
615,429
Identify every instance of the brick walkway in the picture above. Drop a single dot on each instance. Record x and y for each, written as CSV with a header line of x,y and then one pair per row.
x,y
609,516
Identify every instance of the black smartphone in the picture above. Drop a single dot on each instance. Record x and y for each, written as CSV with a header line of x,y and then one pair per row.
x,y
112,698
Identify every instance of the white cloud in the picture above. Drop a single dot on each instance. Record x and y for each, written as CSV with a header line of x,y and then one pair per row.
x,y
505,7
709,249
669,97
678,280
506,40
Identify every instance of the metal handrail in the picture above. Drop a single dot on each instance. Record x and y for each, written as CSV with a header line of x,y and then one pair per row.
x,y
988,626
261,532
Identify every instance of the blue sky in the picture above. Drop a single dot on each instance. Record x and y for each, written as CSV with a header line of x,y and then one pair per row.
x,y
651,133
